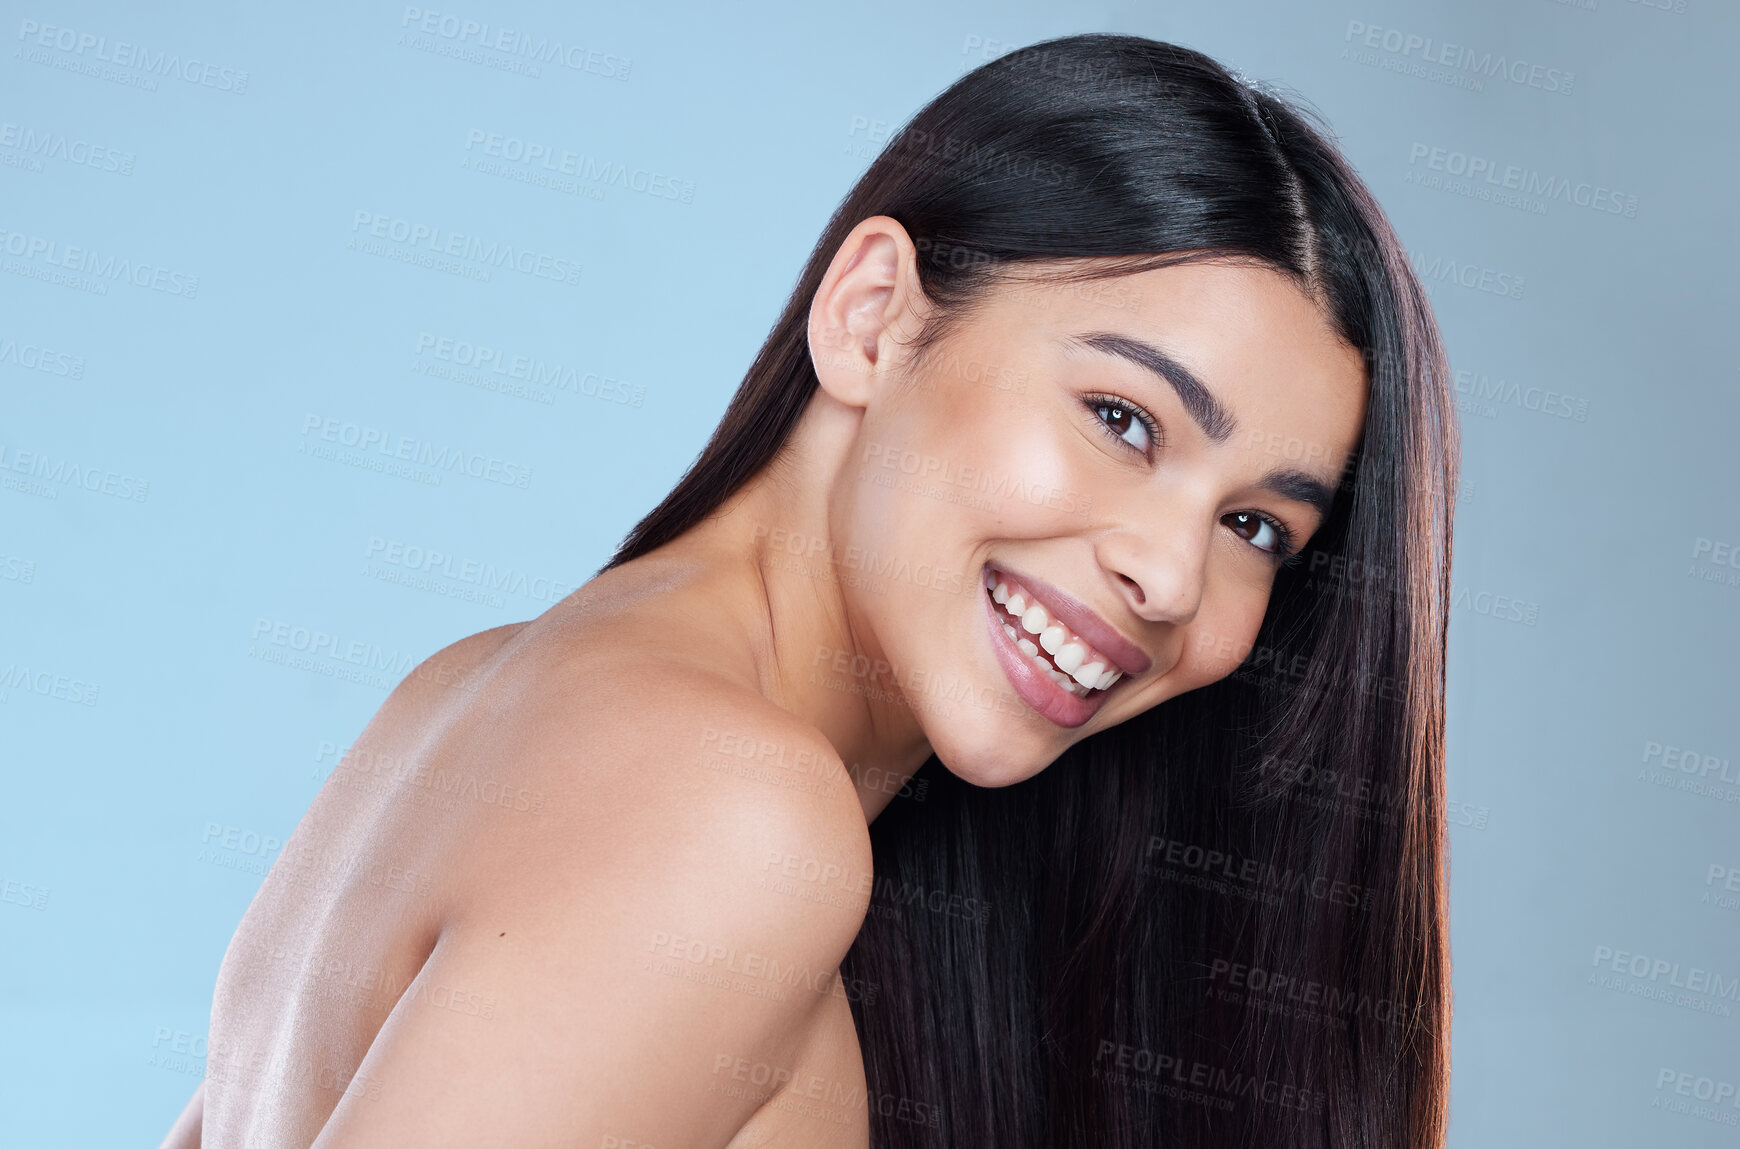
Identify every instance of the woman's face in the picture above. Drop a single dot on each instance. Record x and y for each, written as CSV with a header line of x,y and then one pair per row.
x,y
1133,456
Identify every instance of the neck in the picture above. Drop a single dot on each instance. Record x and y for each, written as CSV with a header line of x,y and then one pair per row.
x,y
770,555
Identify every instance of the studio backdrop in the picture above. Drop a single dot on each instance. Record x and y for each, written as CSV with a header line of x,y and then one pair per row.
x,y
331,333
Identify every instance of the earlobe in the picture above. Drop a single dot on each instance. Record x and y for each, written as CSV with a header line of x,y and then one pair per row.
x,y
863,310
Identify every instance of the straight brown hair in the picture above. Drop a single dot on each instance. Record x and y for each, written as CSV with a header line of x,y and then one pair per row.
x,y
1223,921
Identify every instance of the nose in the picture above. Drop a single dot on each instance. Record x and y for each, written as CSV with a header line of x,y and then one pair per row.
x,y
1160,569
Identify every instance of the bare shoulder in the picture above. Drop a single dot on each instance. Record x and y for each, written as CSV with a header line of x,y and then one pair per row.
x,y
459,664
629,762
657,768
676,909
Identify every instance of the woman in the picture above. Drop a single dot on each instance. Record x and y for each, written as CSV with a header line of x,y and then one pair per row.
x,y
1022,726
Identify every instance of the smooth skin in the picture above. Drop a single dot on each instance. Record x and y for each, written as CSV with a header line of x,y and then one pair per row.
x,y
588,879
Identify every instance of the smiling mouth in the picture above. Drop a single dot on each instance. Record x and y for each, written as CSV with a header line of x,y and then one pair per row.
x,y
1063,656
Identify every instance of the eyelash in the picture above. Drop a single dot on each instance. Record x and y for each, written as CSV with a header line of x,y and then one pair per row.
x,y
1286,553
1149,423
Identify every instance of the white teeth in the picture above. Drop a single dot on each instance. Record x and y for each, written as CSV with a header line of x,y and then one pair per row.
x,y
1068,653
1090,674
990,580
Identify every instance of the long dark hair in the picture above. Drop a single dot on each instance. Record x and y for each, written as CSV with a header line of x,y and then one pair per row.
x,y
1221,922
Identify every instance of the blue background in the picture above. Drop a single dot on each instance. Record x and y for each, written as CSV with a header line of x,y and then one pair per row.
x,y
150,746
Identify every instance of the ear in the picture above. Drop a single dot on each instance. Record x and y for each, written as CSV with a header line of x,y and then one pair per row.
x,y
869,305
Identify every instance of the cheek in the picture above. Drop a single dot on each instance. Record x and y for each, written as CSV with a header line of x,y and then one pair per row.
x,y
1220,638
930,476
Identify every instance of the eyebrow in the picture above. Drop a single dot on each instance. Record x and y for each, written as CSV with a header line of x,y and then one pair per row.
x,y
1202,407
1206,411
1301,488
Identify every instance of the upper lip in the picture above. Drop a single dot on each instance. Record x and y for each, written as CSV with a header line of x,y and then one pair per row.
x,y
1079,617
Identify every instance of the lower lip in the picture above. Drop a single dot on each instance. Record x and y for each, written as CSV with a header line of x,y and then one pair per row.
x,y
1033,685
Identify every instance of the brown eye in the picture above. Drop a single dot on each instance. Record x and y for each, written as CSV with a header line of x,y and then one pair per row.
x,y
1123,419
1260,532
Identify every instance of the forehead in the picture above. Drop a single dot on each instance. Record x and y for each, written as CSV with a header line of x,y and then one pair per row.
x,y
1263,347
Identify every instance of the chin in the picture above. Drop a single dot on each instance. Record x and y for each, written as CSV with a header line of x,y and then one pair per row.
x,y
990,769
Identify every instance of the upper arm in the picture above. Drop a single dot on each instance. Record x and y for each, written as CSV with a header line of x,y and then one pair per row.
x,y
604,973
